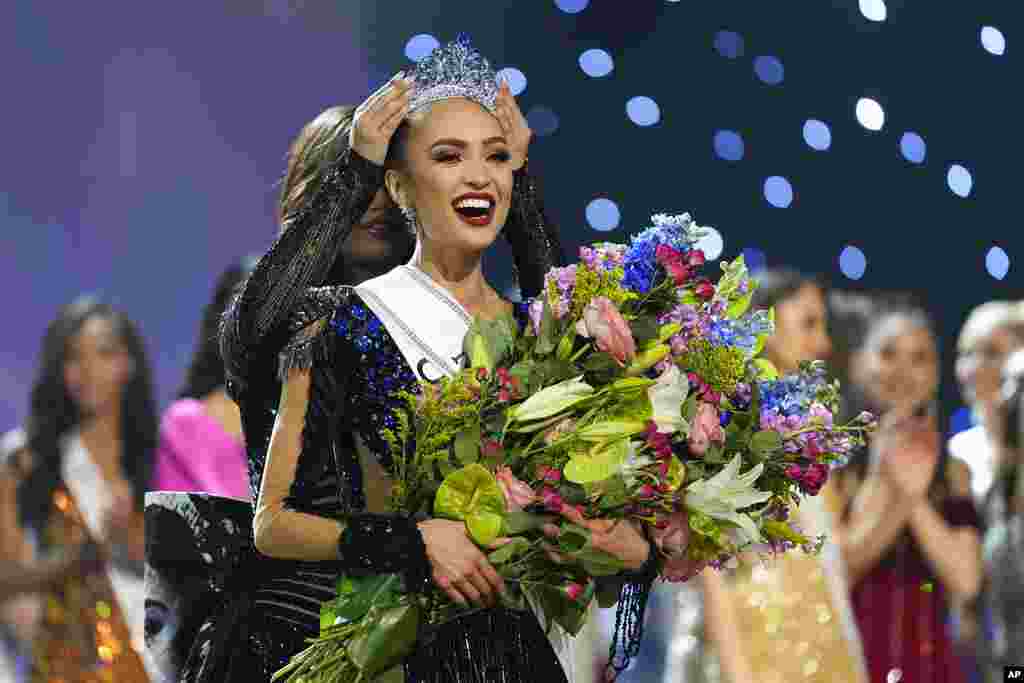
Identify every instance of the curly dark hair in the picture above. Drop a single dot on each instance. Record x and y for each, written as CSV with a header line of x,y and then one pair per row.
x,y
53,413
206,371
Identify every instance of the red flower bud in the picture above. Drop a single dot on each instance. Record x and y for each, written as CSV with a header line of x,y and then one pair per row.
x,y
705,290
695,258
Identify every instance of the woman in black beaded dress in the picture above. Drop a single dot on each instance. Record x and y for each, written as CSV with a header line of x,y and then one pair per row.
x,y
450,147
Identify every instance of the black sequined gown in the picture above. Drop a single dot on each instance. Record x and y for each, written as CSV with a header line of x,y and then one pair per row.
x,y
355,371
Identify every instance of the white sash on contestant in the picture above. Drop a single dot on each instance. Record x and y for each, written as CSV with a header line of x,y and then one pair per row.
x,y
428,325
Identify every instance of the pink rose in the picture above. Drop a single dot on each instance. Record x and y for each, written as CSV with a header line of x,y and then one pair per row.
x,y
603,322
705,429
574,590
517,493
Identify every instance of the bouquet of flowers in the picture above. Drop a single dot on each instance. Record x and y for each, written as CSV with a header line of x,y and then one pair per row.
x,y
635,391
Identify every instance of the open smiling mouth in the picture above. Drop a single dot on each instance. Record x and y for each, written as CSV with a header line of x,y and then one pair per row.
x,y
476,209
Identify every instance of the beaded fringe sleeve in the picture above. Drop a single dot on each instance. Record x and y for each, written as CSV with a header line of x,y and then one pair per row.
x,y
533,238
255,326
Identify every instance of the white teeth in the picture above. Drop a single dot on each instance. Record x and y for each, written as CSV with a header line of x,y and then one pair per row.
x,y
473,203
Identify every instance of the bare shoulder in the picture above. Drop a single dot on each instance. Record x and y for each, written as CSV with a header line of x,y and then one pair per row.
x,y
958,476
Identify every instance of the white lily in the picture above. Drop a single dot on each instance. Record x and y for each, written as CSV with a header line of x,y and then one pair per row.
x,y
552,400
721,496
667,396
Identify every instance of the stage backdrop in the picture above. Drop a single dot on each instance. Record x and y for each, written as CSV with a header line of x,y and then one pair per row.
x,y
141,146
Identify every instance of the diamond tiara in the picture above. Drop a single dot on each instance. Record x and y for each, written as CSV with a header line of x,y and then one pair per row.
x,y
454,70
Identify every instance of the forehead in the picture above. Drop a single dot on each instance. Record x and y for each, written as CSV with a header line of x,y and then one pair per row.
x,y
901,331
97,329
456,118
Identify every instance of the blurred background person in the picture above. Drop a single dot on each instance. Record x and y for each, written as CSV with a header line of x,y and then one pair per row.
x,y
789,618
1004,537
91,434
909,536
990,334
201,446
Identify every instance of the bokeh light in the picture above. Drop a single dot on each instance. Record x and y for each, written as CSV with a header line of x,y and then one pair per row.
x,y
419,46
992,39
729,44
603,214
997,262
873,10
778,191
852,262
712,244
643,111
870,114
959,180
516,79
728,145
572,6
596,63
912,147
769,70
817,135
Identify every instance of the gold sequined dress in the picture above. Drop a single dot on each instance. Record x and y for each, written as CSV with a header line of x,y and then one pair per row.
x,y
793,613
85,636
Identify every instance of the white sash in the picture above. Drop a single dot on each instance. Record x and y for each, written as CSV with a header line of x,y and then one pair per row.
x,y
426,322
428,325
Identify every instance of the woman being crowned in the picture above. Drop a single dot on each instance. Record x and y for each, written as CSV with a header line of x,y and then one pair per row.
x,y
308,363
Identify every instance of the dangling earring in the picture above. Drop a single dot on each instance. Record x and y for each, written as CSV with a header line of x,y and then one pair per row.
x,y
410,217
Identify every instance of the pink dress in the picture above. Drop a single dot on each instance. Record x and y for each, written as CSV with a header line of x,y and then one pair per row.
x,y
196,455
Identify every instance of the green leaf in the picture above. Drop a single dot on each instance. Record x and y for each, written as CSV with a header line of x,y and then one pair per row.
x,y
548,336
565,344
714,455
782,530
473,495
552,400
766,372
598,464
765,443
613,493
645,329
739,306
327,615
517,546
601,368
467,445
598,562
689,408
573,538
366,592
610,429
519,522
387,642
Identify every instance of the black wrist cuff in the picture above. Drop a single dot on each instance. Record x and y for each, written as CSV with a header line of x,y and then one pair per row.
x,y
385,544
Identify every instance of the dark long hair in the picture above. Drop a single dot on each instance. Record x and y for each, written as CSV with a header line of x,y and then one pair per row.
x,y
863,316
206,371
53,413
311,155
779,284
